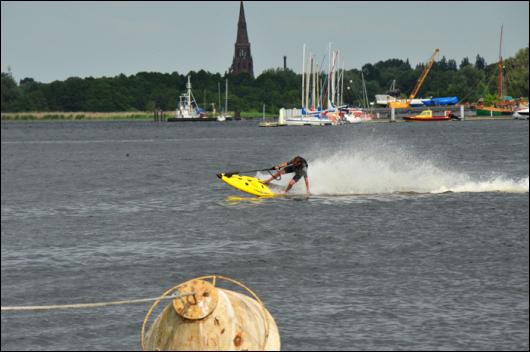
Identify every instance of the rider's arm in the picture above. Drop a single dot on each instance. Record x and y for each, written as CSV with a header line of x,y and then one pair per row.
x,y
282,165
306,179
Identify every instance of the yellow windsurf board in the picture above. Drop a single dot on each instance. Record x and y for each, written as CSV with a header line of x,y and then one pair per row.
x,y
248,184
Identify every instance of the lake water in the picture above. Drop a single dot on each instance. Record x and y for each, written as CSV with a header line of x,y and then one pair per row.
x,y
416,236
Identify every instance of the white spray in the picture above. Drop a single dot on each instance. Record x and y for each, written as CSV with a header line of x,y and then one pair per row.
x,y
384,170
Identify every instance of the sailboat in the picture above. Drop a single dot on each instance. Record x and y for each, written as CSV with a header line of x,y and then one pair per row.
x,y
355,115
504,105
220,117
311,113
224,115
265,123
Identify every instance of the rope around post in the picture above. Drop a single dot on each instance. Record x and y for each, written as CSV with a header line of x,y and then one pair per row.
x,y
90,305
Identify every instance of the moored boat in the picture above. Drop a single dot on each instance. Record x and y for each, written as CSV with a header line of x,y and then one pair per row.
x,y
399,104
426,115
188,110
296,117
504,105
521,114
493,111
356,115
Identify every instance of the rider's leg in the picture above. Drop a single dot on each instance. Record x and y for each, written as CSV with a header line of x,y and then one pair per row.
x,y
290,185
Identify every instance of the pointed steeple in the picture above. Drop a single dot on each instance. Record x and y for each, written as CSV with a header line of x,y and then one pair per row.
x,y
242,61
242,36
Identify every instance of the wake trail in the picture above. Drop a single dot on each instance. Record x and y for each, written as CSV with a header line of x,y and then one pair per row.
x,y
393,171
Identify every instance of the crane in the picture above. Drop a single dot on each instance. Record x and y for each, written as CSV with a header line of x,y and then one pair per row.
x,y
406,103
424,74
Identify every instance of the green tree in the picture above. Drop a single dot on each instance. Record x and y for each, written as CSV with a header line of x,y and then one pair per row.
x,y
465,62
517,74
480,63
10,92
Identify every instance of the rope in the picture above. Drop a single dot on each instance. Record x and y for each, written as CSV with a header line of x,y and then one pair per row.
x,y
91,305
272,174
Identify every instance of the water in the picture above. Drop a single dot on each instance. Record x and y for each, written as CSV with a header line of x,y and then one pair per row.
x,y
416,236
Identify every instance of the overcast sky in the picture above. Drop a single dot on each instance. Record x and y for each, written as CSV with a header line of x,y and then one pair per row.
x,y
55,40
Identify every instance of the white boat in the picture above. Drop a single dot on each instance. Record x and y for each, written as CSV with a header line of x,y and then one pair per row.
x,y
384,99
312,112
352,118
265,123
295,117
521,114
390,96
224,115
416,102
187,108
356,115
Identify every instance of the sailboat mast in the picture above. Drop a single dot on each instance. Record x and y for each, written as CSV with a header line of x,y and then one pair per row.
x,y
500,66
308,82
314,78
303,76
219,94
364,98
188,86
333,101
319,104
337,89
226,97
328,88
342,85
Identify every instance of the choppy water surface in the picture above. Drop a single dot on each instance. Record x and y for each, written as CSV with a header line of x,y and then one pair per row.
x,y
416,236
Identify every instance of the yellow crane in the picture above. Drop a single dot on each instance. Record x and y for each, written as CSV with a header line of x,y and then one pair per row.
x,y
424,74
419,83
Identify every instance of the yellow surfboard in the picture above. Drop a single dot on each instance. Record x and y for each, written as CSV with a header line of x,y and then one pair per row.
x,y
247,184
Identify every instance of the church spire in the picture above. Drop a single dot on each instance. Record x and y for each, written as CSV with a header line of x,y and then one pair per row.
x,y
242,36
242,61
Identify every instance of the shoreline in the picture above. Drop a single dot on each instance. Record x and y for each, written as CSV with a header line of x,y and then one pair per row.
x,y
143,116
101,116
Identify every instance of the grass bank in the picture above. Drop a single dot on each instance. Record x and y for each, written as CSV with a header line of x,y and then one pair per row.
x,y
106,116
96,116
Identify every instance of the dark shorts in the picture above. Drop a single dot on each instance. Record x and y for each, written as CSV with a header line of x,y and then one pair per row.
x,y
298,173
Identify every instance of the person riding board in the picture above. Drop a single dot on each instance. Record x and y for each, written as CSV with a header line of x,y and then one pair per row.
x,y
298,165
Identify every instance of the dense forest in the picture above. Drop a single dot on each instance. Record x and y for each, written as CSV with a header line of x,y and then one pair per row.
x,y
146,91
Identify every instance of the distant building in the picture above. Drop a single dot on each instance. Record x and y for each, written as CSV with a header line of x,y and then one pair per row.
x,y
242,58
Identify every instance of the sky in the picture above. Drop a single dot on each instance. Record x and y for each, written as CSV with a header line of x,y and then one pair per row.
x,y
50,41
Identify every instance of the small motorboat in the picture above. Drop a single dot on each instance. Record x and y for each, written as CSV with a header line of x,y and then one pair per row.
x,y
521,114
426,115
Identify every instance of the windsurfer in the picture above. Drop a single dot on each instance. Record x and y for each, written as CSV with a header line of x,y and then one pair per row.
x,y
298,165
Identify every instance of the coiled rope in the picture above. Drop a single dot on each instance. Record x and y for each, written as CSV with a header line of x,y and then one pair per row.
x,y
92,305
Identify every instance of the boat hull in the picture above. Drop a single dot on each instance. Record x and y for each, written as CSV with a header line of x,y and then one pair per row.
x,y
398,105
521,114
427,119
191,119
426,115
493,112
308,122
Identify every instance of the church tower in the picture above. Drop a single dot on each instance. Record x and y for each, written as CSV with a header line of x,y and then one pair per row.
x,y
242,58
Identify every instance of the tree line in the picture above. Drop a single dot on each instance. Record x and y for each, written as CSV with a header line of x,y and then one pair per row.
x,y
276,88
